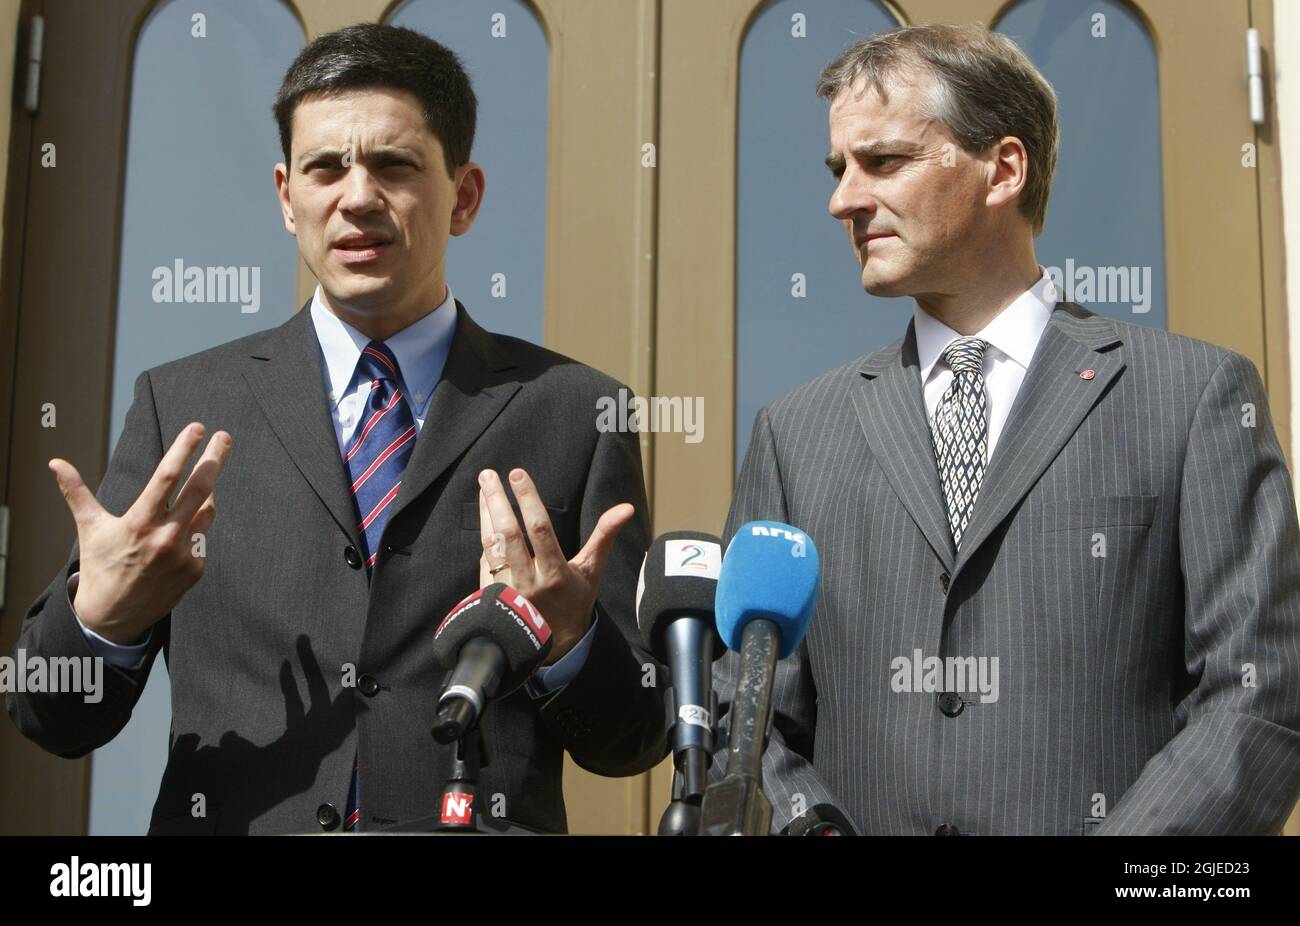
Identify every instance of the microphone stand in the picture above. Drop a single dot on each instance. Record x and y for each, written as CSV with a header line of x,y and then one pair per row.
x,y
456,810
736,805
690,778
457,813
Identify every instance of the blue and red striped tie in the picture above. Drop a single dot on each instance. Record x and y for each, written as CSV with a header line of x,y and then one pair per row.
x,y
376,458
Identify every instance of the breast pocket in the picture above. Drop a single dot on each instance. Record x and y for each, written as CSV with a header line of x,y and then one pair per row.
x,y
1108,511
1086,544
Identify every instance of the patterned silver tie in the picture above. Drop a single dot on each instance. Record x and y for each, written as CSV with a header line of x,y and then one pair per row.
x,y
960,432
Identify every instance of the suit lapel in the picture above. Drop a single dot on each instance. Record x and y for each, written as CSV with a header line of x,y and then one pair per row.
x,y
288,384
472,391
891,409
1052,402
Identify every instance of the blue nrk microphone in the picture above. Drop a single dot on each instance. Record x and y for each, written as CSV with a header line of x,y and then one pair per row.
x,y
767,590
770,571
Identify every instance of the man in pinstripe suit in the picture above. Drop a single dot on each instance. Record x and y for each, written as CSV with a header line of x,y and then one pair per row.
x,y
1098,511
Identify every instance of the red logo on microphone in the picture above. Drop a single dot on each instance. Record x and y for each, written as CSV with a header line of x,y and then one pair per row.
x,y
457,808
523,607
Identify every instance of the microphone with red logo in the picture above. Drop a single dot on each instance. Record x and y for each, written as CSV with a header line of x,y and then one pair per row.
x,y
494,639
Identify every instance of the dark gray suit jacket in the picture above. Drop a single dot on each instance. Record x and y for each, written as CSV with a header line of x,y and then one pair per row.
x,y
1153,689
262,724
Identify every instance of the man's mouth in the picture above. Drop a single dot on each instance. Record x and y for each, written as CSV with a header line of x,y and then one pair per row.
x,y
861,240
360,241
358,248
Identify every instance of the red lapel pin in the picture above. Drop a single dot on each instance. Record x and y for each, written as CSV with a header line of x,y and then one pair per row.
x,y
1087,374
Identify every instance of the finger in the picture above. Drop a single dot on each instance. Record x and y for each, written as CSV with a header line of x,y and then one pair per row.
x,y
81,501
153,500
591,558
494,548
505,526
541,533
198,487
204,517
487,535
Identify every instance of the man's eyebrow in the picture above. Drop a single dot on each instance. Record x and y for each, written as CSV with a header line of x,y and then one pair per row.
x,y
835,160
374,151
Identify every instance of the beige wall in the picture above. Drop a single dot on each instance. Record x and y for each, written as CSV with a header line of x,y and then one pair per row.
x,y
1286,84
8,43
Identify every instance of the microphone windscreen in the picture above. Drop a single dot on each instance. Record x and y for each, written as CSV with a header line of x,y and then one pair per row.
x,y
679,578
505,617
770,570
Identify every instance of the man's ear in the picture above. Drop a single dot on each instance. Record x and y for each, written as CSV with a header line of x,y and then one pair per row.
x,y
470,184
1009,163
282,193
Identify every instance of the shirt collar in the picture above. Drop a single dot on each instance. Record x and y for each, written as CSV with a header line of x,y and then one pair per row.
x,y
1015,331
421,348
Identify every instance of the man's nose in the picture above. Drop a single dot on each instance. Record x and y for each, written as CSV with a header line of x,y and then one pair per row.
x,y
851,196
360,190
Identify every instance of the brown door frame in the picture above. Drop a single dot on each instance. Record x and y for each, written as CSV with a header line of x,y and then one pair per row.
x,y
67,335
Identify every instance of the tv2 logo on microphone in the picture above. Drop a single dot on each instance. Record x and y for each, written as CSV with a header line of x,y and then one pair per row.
x,y
692,558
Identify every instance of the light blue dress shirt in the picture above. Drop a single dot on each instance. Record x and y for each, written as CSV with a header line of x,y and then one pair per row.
x,y
421,350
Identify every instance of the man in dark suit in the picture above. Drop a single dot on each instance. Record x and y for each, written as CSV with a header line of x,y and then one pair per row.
x,y
1060,562
361,452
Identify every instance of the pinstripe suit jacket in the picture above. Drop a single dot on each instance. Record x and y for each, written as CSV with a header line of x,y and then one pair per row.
x,y
1152,689
263,723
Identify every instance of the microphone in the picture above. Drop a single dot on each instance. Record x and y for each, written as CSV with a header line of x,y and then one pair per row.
x,y
494,639
767,590
674,611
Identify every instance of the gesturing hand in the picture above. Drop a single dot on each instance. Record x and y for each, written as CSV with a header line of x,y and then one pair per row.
x,y
564,591
136,568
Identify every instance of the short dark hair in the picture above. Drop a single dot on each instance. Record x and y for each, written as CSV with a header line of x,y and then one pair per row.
x,y
373,55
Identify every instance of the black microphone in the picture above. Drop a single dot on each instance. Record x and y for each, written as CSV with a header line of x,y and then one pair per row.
x,y
493,639
674,610
767,590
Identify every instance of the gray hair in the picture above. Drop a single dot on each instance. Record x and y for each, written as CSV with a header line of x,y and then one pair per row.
x,y
984,89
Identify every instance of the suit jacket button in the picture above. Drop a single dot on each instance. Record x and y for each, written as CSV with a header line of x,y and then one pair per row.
x,y
951,703
353,556
327,816
369,685
943,582
947,830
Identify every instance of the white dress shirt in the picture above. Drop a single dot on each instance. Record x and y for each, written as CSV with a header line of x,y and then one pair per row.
x,y
1012,338
421,350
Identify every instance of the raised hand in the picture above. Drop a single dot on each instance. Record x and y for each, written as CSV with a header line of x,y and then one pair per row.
x,y
563,590
136,568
